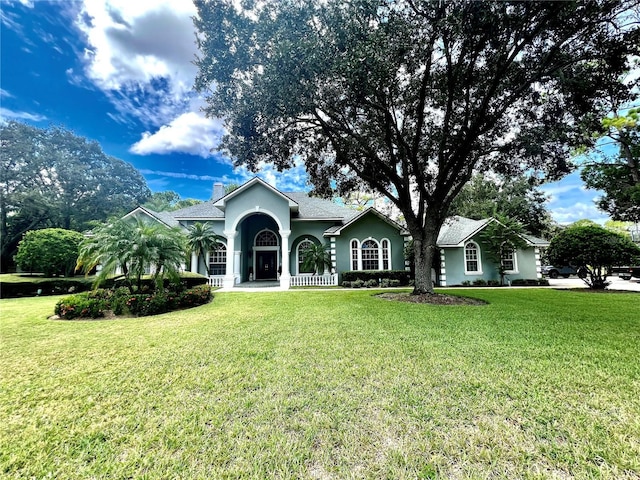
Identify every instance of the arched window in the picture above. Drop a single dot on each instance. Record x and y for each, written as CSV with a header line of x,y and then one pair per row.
x,y
386,254
303,246
218,260
370,255
355,251
472,261
266,238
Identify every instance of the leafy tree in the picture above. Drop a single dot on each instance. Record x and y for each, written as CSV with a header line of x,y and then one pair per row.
x,y
516,198
618,177
53,178
168,201
202,239
52,251
230,187
409,98
501,237
132,247
317,257
595,248
162,201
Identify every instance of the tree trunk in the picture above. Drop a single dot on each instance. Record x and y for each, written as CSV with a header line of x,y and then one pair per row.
x,y
425,250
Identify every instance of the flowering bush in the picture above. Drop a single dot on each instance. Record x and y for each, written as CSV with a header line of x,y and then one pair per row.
x,y
121,301
80,306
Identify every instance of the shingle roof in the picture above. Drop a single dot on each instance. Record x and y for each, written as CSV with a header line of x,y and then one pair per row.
x,y
318,208
456,230
310,208
201,211
336,228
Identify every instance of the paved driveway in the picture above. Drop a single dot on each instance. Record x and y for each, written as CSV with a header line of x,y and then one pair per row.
x,y
617,283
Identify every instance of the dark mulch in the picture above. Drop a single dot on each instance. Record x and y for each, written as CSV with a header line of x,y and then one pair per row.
x,y
435,299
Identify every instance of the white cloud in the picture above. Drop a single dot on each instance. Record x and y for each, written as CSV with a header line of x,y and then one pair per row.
x,y
291,180
189,133
140,53
188,176
134,42
569,200
5,113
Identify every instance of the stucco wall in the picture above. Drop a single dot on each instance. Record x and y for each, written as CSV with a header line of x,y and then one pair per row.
x,y
455,263
257,199
370,226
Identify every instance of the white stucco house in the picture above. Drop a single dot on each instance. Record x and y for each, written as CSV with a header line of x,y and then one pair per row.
x,y
265,233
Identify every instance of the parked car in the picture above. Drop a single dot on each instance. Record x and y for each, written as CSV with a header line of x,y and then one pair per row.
x,y
566,271
627,272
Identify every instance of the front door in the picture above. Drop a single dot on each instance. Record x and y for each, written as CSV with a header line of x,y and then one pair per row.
x,y
266,268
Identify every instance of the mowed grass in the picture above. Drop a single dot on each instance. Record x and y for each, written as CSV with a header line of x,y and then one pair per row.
x,y
321,385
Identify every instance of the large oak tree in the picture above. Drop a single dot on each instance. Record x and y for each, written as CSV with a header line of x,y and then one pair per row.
x,y
410,97
54,178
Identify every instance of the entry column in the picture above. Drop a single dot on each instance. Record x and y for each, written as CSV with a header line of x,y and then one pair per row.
x,y
285,276
229,277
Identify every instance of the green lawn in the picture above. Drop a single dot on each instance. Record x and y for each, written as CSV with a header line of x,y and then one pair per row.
x,y
321,385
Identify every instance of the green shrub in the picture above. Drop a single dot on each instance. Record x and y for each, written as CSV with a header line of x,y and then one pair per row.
x,y
120,301
346,284
402,275
357,283
479,282
81,305
51,251
519,282
45,286
394,283
371,283
493,283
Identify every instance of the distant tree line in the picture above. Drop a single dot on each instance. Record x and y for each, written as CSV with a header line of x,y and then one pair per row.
x,y
52,178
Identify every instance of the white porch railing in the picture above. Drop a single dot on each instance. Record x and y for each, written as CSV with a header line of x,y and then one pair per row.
x,y
314,280
216,280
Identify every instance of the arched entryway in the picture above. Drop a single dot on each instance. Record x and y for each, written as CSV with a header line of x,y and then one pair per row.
x,y
266,255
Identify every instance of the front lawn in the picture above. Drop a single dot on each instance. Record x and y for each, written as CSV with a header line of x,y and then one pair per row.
x,y
326,384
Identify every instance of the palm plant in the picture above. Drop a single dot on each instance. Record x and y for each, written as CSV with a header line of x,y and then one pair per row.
x,y
132,246
316,257
201,239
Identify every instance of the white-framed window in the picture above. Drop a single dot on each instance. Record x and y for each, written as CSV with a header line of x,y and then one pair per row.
x,y
303,246
266,238
386,254
509,260
472,259
355,254
370,255
218,260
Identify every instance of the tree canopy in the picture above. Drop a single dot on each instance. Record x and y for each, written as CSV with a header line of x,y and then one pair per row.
x,y
410,98
618,176
50,251
54,178
595,248
515,198
168,200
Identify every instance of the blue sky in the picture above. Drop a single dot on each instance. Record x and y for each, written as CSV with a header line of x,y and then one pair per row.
x,y
120,72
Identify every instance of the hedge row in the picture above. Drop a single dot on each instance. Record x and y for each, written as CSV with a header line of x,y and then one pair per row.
x,y
46,286
518,282
403,276
60,286
122,302
384,283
